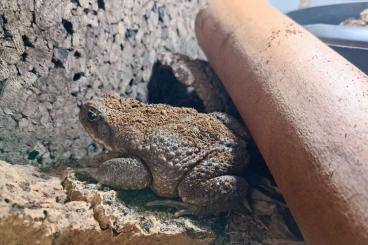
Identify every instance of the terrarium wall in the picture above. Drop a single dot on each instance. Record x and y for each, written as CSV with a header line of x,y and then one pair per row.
x,y
54,54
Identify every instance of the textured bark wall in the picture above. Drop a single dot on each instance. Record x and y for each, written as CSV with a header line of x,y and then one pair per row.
x,y
56,53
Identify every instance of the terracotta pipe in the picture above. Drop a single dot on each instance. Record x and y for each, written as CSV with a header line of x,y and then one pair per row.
x,y
306,107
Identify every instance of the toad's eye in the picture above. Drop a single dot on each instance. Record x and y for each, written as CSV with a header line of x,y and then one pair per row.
x,y
92,116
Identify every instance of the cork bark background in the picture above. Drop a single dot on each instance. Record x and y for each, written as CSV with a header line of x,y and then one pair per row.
x,y
56,53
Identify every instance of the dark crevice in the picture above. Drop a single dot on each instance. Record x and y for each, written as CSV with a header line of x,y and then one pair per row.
x,y
57,63
45,214
76,2
292,225
161,14
68,26
3,20
23,56
257,167
130,33
163,87
33,155
77,54
16,120
33,18
7,35
115,232
77,76
2,86
39,160
18,71
2,151
145,17
101,4
27,42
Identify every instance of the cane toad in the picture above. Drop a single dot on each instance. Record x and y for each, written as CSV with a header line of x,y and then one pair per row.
x,y
177,152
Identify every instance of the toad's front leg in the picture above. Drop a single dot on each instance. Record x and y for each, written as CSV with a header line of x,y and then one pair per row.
x,y
122,173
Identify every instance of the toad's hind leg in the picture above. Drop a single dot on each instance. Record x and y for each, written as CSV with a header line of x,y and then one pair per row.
x,y
122,173
211,188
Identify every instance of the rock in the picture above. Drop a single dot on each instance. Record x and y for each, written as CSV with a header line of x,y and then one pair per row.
x,y
56,53
65,207
39,208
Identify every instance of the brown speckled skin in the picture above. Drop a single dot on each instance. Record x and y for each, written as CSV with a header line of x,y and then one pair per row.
x,y
181,153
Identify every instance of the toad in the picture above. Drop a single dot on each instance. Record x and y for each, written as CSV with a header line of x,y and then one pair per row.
x,y
179,153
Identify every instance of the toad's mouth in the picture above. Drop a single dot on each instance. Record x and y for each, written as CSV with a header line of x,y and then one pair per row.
x,y
101,142
98,140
